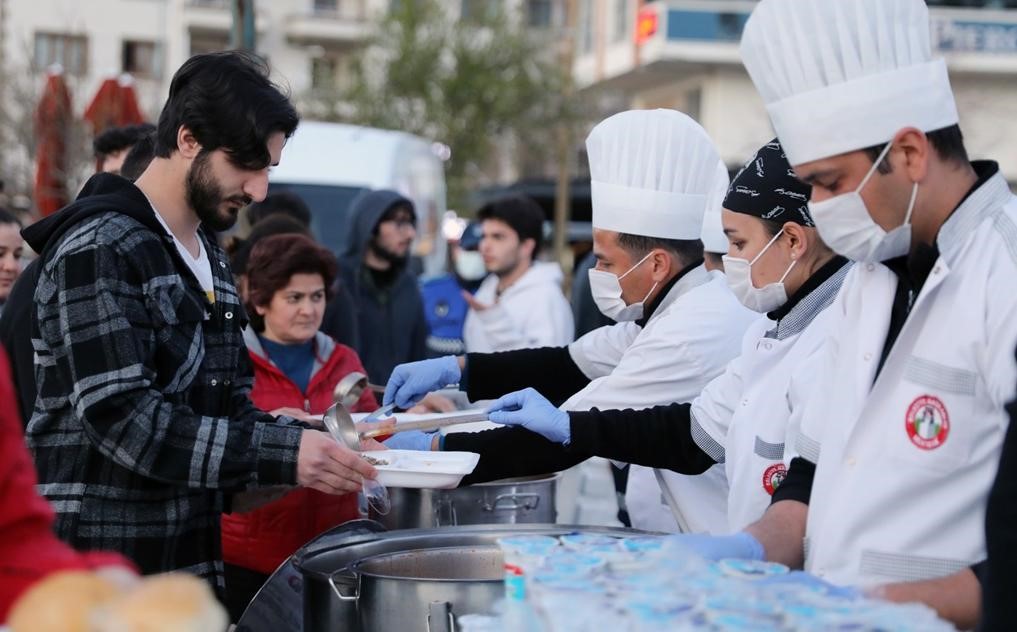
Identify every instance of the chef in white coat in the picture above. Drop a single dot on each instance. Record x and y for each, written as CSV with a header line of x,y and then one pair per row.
x,y
679,325
777,266
900,442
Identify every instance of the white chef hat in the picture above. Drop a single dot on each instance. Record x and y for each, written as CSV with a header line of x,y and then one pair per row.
x,y
651,172
714,239
842,75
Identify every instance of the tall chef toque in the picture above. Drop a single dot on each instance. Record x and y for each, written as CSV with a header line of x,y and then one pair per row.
x,y
651,174
843,75
713,237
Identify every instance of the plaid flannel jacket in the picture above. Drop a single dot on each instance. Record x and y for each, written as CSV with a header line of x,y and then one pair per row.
x,y
143,424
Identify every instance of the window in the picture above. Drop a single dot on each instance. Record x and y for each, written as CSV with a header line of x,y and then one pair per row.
x,y
326,6
324,71
622,24
141,59
70,51
539,13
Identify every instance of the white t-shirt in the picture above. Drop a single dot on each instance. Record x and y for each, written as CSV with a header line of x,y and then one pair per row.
x,y
200,266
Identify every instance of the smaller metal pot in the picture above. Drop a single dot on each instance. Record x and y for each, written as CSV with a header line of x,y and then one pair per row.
x,y
421,590
527,500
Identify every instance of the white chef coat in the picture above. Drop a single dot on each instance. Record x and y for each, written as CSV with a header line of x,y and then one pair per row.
x,y
905,460
688,340
532,312
742,419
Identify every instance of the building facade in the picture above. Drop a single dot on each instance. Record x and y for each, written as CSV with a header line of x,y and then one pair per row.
x,y
683,54
307,42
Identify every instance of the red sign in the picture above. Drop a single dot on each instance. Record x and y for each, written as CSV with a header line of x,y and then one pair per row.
x,y
646,24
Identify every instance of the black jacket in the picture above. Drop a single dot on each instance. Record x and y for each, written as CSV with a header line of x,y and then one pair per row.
x,y
999,575
391,322
143,423
16,328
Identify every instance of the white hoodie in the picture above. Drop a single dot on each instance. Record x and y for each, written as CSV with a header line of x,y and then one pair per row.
x,y
532,312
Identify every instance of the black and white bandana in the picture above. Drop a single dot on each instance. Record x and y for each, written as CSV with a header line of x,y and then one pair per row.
x,y
767,188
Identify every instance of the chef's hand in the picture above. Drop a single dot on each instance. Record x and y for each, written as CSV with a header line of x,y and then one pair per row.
x,y
718,547
410,382
412,440
326,466
529,409
813,583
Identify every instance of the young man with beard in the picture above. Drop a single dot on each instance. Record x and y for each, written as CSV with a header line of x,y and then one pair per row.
x,y
143,429
390,312
520,304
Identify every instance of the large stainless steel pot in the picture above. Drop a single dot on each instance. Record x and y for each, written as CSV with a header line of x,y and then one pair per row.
x,y
526,500
322,559
422,590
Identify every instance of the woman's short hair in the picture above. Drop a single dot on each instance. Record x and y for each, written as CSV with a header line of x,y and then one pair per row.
x,y
273,262
7,217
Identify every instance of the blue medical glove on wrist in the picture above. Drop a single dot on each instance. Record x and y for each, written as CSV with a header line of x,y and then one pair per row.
x,y
741,545
410,440
411,381
529,409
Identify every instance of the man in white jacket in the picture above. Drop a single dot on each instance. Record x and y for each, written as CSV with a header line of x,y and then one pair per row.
x,y
520,304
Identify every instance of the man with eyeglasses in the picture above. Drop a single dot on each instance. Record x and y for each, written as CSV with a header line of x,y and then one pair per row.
x,y
373,264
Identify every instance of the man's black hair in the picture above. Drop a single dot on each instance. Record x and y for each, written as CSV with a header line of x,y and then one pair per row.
x,y
119,138
281,203
687,251
228,102
948,142
139,157
523,215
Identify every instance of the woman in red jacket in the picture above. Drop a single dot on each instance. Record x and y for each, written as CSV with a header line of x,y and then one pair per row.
x,y
296,368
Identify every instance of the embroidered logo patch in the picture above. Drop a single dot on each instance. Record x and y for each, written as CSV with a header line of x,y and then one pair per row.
x,y
927,422
773,477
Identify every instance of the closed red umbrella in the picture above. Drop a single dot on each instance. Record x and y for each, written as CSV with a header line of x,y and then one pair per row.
x,y
52,122
115,104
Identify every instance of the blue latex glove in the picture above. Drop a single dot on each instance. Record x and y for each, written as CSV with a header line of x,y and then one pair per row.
x,y
529,409
810,581
411,381
410,440
718,547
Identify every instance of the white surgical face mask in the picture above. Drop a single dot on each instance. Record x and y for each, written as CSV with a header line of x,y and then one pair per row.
x,y
739,279
607,294
470,265
845,225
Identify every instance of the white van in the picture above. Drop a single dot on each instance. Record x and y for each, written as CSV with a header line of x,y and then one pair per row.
x,y
329,164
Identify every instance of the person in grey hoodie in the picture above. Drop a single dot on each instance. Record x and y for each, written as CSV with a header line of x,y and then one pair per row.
x,y
373,265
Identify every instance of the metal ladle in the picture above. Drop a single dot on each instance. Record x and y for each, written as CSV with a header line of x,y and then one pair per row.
x,y
343,429
351,387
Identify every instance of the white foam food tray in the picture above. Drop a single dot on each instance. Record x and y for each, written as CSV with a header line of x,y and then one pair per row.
x,y
424,470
